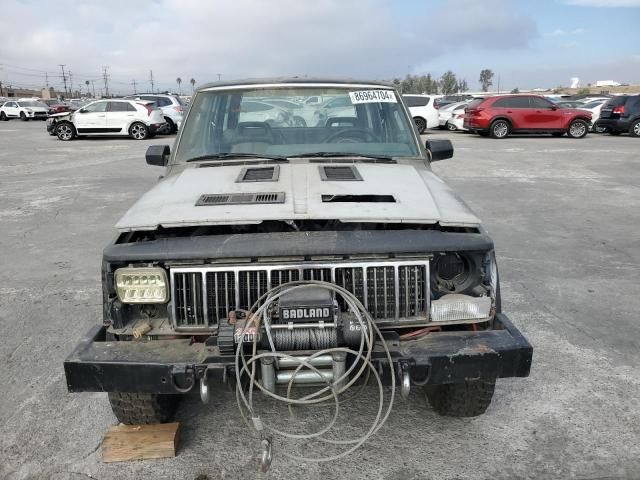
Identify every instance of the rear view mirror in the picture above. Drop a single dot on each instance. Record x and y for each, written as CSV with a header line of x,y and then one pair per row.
x,y
158,155
439,149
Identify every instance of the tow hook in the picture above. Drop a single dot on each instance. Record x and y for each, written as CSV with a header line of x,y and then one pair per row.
x,y
267,456
405,379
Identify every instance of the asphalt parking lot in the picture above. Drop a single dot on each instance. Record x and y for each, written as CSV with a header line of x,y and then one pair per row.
x,y
565,216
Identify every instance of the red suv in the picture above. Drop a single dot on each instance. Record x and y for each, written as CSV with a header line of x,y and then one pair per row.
x,y
504,114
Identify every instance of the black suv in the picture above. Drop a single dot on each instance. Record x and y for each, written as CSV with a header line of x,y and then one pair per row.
x,y
621,114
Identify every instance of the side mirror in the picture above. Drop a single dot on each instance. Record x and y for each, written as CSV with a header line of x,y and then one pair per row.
x,y
554,107
439,149
158,155
82,110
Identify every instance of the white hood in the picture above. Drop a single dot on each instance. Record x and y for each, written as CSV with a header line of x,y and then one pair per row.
x,y
420,197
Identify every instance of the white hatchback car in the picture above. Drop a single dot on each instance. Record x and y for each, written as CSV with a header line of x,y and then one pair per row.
x,y
24,110
138,119
423,110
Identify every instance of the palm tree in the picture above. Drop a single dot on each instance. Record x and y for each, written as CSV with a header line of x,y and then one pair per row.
x,y
179,80
193,84
86,82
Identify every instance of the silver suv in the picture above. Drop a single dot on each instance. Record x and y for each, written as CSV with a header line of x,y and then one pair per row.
x,y
171,105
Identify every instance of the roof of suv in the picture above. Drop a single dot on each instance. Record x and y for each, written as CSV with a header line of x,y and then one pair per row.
x,y
293,81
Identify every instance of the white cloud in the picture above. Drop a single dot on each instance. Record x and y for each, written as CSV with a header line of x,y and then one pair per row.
x,y
604,3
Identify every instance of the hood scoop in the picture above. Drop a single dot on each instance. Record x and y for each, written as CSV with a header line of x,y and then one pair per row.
x,y
339,173
240,199
259,174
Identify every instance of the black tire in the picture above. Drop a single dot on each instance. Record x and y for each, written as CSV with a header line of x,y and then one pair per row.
x,y
3,117
23,117
170,128
139,131
142,408
634,129
557,134
468,399
65,131
421,124
500,129
451,127
578,129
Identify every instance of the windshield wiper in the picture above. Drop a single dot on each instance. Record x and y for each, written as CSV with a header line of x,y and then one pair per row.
x,y
341,154
220,156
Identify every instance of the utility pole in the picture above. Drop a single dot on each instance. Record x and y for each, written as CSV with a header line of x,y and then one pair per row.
x,y
64,78
151,79
70,84
219,75
46,79
105,77
133,82
93,85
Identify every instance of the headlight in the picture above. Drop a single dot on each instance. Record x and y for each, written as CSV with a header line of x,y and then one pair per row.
x,y
452,307
141,285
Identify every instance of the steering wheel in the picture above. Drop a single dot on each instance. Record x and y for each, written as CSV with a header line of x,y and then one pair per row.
x,y
351,135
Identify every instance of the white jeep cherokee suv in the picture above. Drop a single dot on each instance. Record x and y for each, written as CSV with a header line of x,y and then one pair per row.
x,y
137,119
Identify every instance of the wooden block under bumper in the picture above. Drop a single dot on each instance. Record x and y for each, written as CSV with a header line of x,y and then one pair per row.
x,y
140,442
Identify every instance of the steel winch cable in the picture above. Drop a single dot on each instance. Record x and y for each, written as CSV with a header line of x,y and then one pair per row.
x,y
259,314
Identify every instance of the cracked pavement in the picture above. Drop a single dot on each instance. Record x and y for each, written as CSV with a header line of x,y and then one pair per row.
x,y
564,215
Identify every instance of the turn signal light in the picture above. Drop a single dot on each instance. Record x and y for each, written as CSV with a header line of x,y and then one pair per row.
x,y
141,285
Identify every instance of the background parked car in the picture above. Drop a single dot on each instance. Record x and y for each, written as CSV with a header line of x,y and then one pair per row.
x,y
24,110
444,114
504,114
423,111
594,109
456,122
56,106
137,119
171,105
621,114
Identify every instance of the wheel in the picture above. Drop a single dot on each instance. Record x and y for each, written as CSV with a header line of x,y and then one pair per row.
x,y
3,117
138,131
421,123
451,127
499,129
23,117
634,129
468,399
65,131
557,134
614,132
170,128
299,122
578,129
142,408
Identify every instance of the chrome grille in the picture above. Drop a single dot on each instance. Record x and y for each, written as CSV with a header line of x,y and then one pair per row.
x,y
394,291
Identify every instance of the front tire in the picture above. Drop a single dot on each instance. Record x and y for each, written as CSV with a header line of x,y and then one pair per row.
x,y
421,124
142,408
65,131
499,129
577,129
468,399
3,117
23,117
138,131
451,127
634,129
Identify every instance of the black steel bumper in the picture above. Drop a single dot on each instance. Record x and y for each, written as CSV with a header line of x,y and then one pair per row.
x,y
175,366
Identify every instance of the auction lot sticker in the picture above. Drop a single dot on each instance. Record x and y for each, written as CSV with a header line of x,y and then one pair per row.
x,y
372,96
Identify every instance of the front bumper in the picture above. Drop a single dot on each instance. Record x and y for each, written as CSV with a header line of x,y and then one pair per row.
x,y
175,366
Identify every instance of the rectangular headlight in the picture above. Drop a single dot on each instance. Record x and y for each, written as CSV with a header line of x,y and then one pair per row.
x,y
455,306
141,285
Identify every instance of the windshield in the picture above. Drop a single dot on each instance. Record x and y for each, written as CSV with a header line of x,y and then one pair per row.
x,y
280,122
31,104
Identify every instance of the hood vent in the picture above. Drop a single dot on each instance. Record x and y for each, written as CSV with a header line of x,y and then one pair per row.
x,y
342,173
240,199
259,174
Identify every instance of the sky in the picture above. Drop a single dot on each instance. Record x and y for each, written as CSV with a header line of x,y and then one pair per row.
x,y
527,43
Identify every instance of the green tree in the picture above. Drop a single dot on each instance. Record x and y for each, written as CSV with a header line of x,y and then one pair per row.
x,y
486,79
515,90
462,86
448,83
179,82
584,91
193,84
